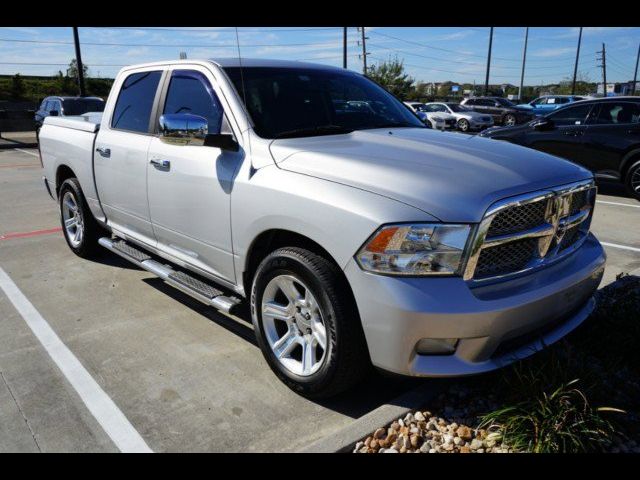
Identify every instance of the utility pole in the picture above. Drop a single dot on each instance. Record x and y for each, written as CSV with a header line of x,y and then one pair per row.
x,y
603,59
486,81
344,47
76,40
635,74
364,52
524,60
575,68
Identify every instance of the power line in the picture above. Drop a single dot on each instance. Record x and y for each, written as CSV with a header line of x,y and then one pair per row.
x,y
206,30
165,45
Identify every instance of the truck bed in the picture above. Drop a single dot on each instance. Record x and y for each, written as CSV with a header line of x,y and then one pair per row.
x,y
70,141
89,122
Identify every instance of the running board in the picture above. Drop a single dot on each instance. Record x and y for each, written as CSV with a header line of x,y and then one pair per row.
x,y
182,281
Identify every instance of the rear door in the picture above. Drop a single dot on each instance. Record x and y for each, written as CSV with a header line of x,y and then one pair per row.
x,y
120,159
613,130
190,195
565,139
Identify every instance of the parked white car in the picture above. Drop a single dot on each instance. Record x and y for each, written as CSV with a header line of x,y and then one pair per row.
x,y
466,119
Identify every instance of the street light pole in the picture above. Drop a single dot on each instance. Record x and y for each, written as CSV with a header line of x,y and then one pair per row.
x,y
344,47
635,74
486,81
575,68
524,60
76,41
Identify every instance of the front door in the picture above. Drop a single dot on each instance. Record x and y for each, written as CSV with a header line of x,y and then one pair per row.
x,y
190,185
565,139
120,159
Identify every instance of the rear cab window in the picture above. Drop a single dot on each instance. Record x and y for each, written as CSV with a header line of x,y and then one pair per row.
x,y
132,111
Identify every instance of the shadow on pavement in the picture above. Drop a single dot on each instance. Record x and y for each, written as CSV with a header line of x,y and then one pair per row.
x,y
615,189
374,390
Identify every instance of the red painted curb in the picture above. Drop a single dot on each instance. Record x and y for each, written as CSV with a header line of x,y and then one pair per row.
x,y
35,233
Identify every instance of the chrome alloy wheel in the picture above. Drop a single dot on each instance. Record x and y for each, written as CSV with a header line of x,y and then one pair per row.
x,y
72,218
510,120
293,325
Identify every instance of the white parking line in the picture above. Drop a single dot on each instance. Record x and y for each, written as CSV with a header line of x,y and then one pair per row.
x,y
104,410
618,203
623,247
24,151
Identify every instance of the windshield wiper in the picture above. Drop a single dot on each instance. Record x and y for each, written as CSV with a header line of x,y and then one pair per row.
x,y
312,131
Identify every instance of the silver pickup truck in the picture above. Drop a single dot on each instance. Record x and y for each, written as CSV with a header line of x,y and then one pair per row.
x,y
358,236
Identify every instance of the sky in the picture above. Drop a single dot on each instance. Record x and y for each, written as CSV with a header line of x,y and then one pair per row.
x,y
430,54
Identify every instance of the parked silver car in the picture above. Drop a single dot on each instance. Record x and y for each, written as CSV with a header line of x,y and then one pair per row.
x,y
356,235
466,119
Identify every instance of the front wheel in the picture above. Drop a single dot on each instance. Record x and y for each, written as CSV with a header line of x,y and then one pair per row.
x,y
509,120
633,180
306,323
80,229
463,125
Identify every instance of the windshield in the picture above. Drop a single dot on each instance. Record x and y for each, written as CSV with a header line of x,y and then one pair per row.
x,y
78,106
458,108
309,101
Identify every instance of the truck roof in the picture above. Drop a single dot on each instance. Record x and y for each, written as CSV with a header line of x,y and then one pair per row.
x,y
244,62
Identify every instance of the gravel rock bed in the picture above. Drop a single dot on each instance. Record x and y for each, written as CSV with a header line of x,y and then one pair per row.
x,y
424,432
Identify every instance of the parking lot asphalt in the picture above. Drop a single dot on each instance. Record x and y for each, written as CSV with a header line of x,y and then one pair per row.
x,y
186,377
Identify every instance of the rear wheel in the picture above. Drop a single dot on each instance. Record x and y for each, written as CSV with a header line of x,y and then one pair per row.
x,y
633,179
509,120
306,323
463,125
80,229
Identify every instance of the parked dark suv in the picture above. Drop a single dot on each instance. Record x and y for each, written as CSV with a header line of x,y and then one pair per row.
x,y
65,106
601,134
502,110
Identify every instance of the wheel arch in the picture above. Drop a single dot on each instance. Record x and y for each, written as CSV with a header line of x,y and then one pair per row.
x,y
272,239
63,172
628,159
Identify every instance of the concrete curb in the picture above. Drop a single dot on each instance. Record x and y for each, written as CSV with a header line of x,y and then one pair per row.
x,y
343,440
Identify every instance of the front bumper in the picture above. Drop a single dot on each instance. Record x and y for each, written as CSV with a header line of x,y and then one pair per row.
x,y
496,324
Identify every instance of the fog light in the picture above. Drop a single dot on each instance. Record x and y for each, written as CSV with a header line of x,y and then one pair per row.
x,y
437,346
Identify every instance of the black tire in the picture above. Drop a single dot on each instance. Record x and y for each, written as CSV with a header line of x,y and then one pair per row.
x,y
632,180
463,125
92,231
346,359
509,120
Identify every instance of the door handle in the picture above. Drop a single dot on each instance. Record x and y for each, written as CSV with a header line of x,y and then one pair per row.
x,y
104,152
575,133
634,131
160,164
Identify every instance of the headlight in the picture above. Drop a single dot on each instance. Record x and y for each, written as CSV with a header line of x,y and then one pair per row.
x,y
418,249
437,119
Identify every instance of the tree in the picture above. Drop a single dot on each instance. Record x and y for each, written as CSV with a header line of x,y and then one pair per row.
x,y
391,75
72,71
17,87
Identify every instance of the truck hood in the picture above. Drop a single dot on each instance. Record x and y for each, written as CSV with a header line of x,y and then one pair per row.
x,y
451,176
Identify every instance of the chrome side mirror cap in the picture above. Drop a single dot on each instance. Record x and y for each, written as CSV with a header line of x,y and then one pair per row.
x,y
183,129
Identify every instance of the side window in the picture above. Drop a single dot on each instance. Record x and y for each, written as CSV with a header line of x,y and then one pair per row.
x,y
135,101
486,102
190,92
43,105
613,113
471,102
571,115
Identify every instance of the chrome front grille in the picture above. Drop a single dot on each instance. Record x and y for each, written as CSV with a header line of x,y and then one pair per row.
x,y
528,231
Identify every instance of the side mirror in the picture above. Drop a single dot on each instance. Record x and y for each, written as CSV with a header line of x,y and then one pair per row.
x,y
54,113
223,141
544,124
183,129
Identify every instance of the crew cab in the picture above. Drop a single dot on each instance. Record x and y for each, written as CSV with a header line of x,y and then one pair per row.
x,y
358,237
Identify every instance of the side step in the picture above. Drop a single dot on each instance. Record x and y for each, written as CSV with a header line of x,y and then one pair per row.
x,y
182,281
